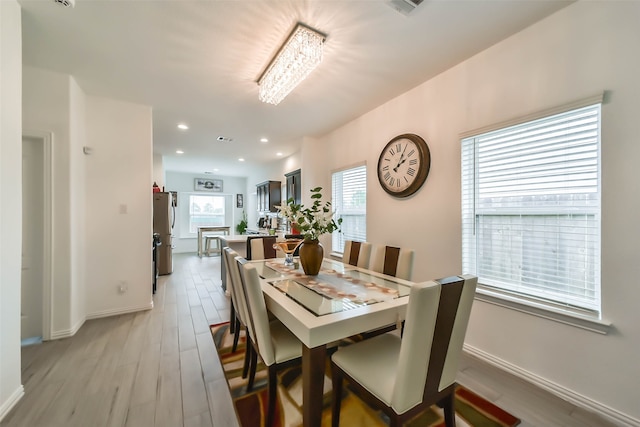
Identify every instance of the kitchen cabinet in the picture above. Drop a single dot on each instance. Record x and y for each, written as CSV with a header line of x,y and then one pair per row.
x,y
294,187
269,196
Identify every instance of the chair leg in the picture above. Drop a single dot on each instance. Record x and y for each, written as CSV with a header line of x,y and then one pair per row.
x,y
247,358
252,368
232,319
236,335
273,393
448,406
336,400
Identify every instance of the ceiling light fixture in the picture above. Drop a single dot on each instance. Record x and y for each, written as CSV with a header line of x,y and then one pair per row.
x,y
182,126
179,152
294,61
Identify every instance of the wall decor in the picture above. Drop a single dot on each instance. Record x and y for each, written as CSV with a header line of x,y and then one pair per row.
x,y
239,201
404,165
204,184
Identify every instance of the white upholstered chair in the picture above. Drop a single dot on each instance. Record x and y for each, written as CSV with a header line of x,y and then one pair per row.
x,y
393,261
272,341
356,253
404,375
239,311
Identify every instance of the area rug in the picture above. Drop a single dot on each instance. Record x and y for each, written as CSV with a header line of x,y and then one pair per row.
x,y
471,409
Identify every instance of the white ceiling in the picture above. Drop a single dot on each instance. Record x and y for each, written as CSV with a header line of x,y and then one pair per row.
x,y
197,62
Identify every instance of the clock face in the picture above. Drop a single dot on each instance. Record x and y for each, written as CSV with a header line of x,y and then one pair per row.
x,y
403,165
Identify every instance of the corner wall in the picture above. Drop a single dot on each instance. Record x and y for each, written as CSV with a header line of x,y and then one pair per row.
x,y
11,389
583,49
118,208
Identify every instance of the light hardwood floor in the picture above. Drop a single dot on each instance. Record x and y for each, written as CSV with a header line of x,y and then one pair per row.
x,y
159,368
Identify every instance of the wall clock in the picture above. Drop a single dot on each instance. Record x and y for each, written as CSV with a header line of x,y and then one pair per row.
x,y
403,165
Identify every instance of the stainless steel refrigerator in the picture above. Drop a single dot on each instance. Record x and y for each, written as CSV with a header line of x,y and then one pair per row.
x,y
164,217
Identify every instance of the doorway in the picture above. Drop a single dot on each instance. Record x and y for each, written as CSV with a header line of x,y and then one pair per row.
x,y
36,238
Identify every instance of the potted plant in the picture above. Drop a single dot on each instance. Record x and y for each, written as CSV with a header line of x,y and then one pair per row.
x,y
311,222
241,227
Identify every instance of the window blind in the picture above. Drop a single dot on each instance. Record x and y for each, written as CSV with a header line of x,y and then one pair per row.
x,y
349,201
531,208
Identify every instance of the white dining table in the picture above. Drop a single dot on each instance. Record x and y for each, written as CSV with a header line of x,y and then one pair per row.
x,y
336,304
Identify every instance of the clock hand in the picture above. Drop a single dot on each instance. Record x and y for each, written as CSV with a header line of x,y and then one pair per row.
x,y
402,159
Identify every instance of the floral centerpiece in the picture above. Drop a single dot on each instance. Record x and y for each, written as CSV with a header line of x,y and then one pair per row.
x,y
311,222
314,221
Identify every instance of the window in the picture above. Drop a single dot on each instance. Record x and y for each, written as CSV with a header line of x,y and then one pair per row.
x,y
205,211
531,209
349,201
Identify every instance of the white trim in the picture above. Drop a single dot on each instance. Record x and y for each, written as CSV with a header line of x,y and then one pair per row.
x,y
108,313
584,102
571,396
565,316
7,405
47,238
66,333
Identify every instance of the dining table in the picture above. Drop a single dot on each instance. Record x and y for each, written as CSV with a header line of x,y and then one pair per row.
x,y
224,229
340,302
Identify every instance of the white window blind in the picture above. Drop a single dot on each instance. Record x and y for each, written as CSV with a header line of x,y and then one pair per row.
x,y
531,209
349,201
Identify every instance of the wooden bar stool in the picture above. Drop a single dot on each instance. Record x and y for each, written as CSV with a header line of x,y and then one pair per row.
x,y
211,245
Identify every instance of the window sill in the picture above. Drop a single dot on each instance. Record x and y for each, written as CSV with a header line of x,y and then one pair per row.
x,y
557,314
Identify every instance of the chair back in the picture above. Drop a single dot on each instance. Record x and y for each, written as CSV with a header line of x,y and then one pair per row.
x,y
261,247
393,261
436,323
357,253
261,332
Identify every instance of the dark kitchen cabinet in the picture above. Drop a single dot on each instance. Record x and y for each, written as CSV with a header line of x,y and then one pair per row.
x,y
294,187
269,196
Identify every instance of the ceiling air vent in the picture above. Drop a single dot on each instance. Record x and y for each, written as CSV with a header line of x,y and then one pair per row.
x,y
405,7
65,3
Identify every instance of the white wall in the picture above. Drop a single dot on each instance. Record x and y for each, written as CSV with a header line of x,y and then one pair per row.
x,y
89,194
47,108
583,49
77,188
158,170
184,183
11,389
118,206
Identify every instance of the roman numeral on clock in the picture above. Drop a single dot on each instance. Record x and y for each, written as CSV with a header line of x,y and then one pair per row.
x,y
411,171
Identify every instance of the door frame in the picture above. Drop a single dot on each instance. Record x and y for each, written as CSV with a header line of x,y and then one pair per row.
x,y
46,138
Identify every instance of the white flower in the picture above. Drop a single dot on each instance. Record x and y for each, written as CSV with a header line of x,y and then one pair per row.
x,y
314,221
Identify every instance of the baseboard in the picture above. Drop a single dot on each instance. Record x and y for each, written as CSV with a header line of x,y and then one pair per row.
x,y
15,397
108,313
55,335
562,392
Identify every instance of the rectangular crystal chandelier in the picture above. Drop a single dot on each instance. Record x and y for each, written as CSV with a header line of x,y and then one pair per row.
x,y
298,56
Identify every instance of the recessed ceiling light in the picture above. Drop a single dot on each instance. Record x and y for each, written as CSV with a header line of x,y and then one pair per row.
x,y
182,126
278,154
179,152
264,140
216,170
241,159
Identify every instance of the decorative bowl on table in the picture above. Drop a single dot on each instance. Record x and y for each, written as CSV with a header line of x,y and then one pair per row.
x,y
288,246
